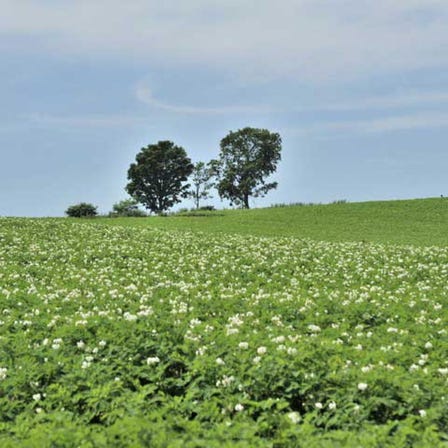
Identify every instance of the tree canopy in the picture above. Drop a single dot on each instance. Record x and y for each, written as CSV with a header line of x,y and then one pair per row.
x,y
247,158
158,178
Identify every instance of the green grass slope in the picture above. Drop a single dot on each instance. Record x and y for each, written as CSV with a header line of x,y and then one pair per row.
x,y
422,222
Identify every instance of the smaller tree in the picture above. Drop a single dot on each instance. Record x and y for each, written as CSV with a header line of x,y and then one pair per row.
x,y
82,210
201,180
127,207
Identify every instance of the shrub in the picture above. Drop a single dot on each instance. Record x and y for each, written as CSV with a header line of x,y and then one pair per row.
x,y
127,207
82,210
340,201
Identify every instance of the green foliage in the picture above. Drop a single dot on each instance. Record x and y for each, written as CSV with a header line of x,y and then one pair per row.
x,y
247,158
158,178
81,210
128,208
121,336
201,179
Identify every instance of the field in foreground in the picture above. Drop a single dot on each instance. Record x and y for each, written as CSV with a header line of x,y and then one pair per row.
x,y
123,336
422,222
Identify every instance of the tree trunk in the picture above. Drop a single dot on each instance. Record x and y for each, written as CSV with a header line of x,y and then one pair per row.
x,y
246,201
197,197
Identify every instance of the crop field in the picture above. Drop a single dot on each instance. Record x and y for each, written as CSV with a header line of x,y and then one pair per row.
x,y
114,336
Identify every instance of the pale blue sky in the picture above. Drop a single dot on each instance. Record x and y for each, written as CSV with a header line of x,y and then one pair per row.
x,y
357,89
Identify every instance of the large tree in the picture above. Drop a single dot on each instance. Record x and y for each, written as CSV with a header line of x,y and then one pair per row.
x,y
246,160
158,178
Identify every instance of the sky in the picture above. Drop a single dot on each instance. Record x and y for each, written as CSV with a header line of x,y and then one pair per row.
x,y
357,89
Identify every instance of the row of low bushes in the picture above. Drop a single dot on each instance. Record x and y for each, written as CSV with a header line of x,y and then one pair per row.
x,y
125,208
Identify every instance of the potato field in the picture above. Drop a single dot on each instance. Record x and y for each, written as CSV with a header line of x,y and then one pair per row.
x,y
113,336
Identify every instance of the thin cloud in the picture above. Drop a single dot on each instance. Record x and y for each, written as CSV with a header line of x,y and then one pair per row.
x,y
145,95
389,101
420,121
83,121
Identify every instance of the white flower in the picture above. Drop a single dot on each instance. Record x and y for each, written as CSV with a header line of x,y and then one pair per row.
x,y
239,407
201,351
37,397
85,364
243,345
362,386
318,405
294,417
314,328
220,361
3,372
332,405
152,360
279,339
422,413
256,360
428,345
195,322
102,343
226,381
56,343
129,317
262,350
80,344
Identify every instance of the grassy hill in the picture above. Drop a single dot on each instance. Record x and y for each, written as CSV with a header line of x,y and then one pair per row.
x,y
422,222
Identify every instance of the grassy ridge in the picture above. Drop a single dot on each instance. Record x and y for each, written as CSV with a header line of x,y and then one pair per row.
x,y
421,222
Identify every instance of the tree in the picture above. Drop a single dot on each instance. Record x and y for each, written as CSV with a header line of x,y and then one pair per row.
x,y
81,210
158,178
201,179
127,207
247,158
